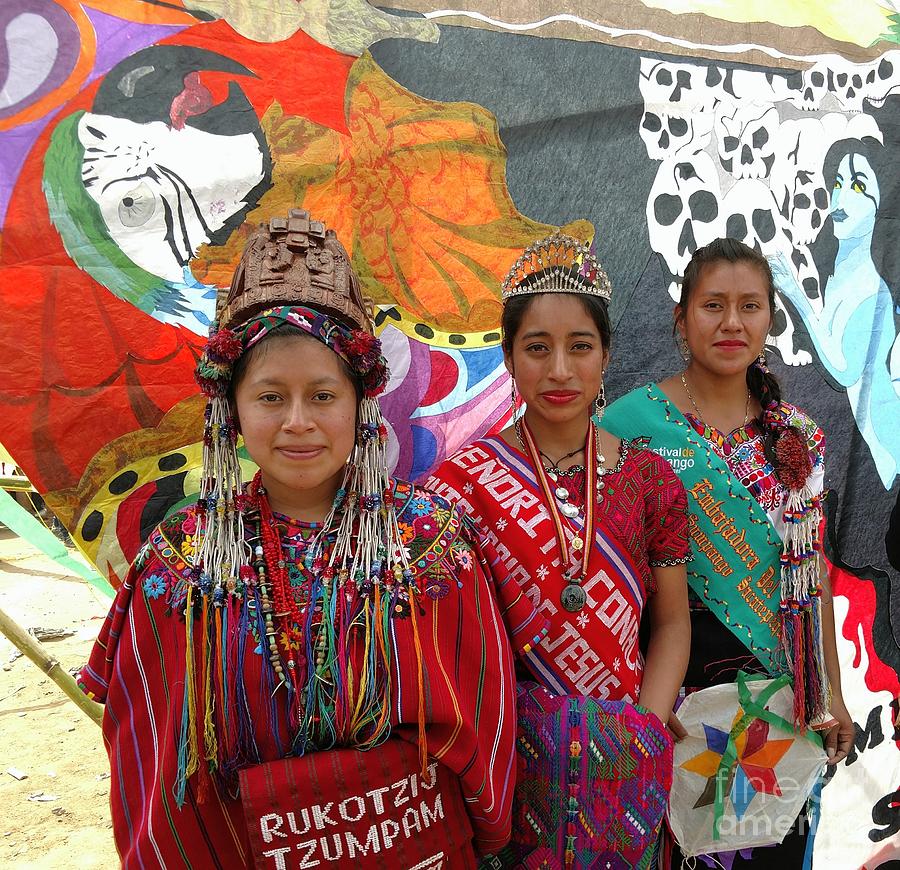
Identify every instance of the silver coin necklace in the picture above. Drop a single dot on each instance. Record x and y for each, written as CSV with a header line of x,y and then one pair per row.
x,y
573,597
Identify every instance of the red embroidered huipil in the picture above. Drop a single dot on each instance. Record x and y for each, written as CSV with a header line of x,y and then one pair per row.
x,y
137,669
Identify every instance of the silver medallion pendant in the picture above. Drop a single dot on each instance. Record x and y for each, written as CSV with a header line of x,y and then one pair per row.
x,y
562,493
573,598
569,510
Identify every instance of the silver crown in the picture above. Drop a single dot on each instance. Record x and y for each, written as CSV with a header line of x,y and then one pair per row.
x,y
557,264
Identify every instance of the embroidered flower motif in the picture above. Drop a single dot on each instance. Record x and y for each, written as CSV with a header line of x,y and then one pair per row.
x,y
292,637
402,610
542,572
401,552
616,665
582,620
502,524
425,526
463,557
468,489
744,453
441,515
294,574
407,531
419,507
187,547
189,526
142,556
436,587
154,586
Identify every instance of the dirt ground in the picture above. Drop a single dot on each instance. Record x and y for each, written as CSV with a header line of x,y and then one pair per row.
x,y
58,815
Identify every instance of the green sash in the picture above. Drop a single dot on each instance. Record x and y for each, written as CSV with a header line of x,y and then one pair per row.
x,y
736,567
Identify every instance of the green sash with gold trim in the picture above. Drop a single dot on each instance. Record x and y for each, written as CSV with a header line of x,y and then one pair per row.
x,y
736,563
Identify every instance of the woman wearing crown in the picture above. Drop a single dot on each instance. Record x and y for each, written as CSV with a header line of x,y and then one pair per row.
x,y
312,668
583,532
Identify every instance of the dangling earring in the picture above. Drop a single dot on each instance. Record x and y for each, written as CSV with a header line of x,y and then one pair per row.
x,y
600,403
681,346
761,360
514,403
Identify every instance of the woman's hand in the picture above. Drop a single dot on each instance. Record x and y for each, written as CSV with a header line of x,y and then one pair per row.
x,y
840,734
679,732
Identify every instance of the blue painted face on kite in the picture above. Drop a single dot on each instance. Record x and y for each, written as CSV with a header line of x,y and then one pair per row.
x,y
855,198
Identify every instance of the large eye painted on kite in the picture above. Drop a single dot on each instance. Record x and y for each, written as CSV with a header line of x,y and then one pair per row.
x,y
137,206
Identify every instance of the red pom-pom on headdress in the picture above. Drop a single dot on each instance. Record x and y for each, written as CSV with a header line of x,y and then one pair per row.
x,y
363,351
360,343
213,372
223,346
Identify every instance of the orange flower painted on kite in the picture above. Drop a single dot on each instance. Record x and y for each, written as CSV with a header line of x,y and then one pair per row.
x,y
427,208
416,192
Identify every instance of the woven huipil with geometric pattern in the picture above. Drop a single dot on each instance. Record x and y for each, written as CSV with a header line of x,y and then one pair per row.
x,y
593,769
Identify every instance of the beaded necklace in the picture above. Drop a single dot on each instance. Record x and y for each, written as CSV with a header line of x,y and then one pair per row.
x,y
327,703
573,597
687,390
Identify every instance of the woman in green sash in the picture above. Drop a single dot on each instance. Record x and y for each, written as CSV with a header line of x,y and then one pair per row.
x,y
753,467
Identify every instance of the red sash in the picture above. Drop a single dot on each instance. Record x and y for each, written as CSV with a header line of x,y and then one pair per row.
x,y
347,808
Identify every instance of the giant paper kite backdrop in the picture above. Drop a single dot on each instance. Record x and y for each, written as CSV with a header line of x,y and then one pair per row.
x,y
138,138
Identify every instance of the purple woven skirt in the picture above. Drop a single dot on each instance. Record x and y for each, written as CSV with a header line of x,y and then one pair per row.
x,y
592,783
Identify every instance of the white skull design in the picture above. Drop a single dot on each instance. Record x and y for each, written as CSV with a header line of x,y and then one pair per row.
x,y
813,88
883,78
749,213
746,138
678,88
683,212
666,135
846,83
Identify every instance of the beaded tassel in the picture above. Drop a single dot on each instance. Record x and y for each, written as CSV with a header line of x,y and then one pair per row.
x,y
801,606
222,551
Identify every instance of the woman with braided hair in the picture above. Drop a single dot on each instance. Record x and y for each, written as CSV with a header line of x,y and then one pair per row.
x,y
728,434
311,668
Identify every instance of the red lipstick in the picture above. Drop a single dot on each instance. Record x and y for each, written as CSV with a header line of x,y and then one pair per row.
x,y
559,397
